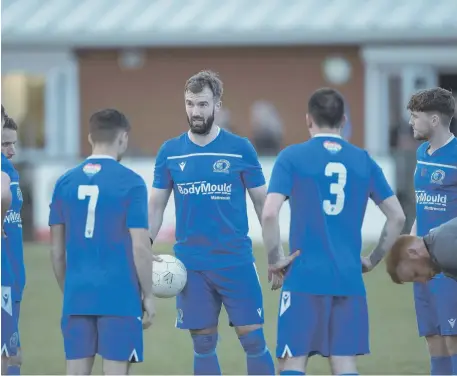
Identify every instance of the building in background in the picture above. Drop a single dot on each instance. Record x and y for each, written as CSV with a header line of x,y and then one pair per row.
x,y
62,60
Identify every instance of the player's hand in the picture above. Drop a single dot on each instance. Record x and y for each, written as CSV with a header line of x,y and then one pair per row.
x,y
149,311
156,258
367,266
276,282
280,268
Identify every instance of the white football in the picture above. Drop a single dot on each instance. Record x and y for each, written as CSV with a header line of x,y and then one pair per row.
x,y
168,277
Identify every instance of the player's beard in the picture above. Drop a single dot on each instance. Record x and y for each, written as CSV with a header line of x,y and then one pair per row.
x,y
204,127
424,133
421,136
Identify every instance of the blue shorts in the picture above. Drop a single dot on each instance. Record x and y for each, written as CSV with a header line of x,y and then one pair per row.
x,y
10,336
322,324
17,314
436,306
238,288
118,338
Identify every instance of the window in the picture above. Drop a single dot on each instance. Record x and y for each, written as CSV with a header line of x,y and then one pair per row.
x,y
23,97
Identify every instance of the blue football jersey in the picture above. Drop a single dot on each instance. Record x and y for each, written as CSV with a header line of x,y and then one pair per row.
x,y
209,185
7,271
435,182
328,182
13,229
98,202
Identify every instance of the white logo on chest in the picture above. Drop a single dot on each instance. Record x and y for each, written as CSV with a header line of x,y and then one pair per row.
x,y
437,177
222,165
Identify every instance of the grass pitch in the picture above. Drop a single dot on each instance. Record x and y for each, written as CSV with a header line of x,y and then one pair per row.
x,y
395,345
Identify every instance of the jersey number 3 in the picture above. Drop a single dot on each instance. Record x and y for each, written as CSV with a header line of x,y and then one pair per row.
x,y
337,189
92,192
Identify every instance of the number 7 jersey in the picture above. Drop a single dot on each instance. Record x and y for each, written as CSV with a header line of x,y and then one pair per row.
x,y
98,202
328,182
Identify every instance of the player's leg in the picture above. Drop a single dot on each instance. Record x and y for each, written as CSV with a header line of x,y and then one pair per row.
x,y
302,330
15,362
120,343
445,295
349,333
80,343
242,297
428,327
198,307
9,335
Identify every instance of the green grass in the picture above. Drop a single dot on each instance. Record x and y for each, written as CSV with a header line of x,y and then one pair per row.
x,y
395,345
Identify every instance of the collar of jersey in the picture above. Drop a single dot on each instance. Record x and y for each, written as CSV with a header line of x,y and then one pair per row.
x,y
215,138
100,156
327,135
447,142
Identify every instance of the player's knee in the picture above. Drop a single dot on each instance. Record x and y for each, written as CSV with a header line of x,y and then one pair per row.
x,y
451,344
4,364
15,361
343,365
294,364
80,366
203,331
254,343
437,346
245,329
111,367
204,344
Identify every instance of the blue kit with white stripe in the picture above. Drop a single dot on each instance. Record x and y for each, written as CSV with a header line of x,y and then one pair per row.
x,y
209,185
435,182
10,336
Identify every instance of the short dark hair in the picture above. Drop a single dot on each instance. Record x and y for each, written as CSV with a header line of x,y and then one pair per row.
x,y
198,81
437,100
106,124
326,106
4,114
10,124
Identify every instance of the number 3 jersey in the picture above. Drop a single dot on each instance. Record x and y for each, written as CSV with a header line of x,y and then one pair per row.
x,y
98,202
328,182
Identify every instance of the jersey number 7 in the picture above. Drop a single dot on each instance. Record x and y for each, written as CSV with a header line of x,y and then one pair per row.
x,y
92,192
335,168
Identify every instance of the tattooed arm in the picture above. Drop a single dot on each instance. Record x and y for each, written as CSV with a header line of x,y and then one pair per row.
x,y
391,208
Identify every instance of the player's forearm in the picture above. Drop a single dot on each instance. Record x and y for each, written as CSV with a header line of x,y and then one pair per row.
x,y
272,238
258,206
58,254
156,208
414,228
59,265
6,197
390,232
155,222
258,196
6,203
142,257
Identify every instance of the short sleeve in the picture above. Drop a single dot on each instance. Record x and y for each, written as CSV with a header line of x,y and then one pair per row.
x,y
252,173
7,167
281,178
137,209
162,176
56,216
379,187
